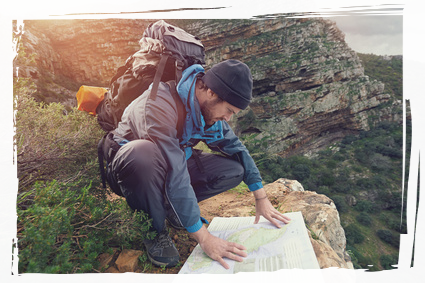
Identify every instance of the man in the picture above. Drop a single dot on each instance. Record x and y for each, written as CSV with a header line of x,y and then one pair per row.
x,y
158,172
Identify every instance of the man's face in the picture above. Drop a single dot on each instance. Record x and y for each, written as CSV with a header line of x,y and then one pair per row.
x,y
215,109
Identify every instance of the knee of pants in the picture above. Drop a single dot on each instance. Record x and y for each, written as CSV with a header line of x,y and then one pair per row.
x,y
232,169
139,170
139,165
237,172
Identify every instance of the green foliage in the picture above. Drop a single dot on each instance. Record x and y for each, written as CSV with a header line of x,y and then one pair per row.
x,y
353,234
385,235
301,172
365,206
405,227
366,161
390,72
241,189
340,203
66,226
63,225
387,162
388,262
48,135
364,219
365,267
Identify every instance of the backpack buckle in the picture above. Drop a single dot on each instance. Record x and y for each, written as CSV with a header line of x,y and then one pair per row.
x,y
179,70
179,65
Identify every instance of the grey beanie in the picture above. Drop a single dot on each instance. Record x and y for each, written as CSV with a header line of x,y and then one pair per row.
x,y
231,80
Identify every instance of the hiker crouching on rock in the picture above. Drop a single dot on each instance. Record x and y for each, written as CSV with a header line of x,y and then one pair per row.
x,y
158,172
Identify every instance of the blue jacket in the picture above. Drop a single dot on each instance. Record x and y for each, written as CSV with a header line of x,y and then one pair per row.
x,y
157,121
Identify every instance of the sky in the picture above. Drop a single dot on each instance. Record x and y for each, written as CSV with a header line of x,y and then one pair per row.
x,y
381,27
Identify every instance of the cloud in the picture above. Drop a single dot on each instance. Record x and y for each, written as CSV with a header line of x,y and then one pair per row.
x,y
378,44
382,27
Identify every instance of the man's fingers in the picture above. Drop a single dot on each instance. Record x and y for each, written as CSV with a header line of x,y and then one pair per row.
x,y
257,218
274,222
285,219
239,246
233,256
239,250
223,263
234,252
278,216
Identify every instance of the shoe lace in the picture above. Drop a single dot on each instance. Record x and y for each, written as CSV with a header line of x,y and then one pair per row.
x,y
164,240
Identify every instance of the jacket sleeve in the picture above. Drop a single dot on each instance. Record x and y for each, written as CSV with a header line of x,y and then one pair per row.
x,y
157,121
233,147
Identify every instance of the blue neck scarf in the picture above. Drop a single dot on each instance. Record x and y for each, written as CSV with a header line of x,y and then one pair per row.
x,y
194,127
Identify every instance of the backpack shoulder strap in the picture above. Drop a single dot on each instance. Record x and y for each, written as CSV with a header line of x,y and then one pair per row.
x,y
158,74
181,111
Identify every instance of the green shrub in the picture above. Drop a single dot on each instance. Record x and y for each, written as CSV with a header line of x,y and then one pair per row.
x,y
301,172
348,139
341,188
385,235
388,260
364,205
48,135
66,226
364,219
379,162
353,235
323,190
327,177
340,203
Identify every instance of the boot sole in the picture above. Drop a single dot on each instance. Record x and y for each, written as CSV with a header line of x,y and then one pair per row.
x,y
163,264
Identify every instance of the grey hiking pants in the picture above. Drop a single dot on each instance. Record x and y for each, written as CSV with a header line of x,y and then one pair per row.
x,y
139,171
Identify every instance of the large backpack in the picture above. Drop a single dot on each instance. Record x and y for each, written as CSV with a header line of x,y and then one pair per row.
x,y
165,51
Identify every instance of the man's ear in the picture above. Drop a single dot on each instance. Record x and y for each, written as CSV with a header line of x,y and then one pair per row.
x,y
201,92
211,94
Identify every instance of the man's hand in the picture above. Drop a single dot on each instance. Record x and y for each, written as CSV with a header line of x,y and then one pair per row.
x,y
265,208
217,248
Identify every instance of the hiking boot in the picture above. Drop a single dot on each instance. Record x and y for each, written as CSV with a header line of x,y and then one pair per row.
x,y
162,251
173,220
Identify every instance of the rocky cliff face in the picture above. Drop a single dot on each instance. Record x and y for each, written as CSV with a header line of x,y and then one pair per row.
x,y
309,90
309,86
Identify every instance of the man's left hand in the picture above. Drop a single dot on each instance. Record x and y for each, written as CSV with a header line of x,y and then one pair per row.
x,y
263,207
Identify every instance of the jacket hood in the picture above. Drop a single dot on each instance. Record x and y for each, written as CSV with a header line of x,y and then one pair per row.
x,y
186,91
194,127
